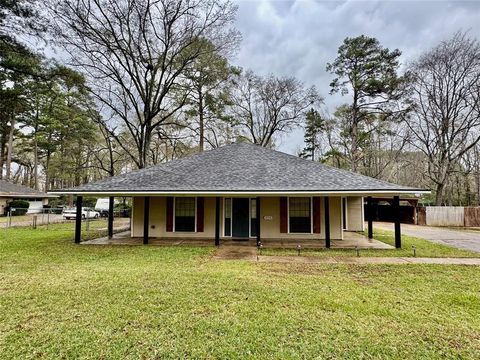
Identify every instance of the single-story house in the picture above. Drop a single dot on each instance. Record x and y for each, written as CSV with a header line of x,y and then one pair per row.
x,y
243,191
10,191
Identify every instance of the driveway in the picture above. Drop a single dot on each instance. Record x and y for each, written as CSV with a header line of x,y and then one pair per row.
x,y
460,239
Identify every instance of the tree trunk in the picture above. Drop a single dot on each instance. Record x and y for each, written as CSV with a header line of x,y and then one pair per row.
x,y
354,133
35,150
439,194
478,187
2,151
354,147
201,121
35,160
10,148
201,125
47,170
112,160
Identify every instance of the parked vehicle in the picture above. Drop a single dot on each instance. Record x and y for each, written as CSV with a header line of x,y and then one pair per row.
x,y
102,206
87,213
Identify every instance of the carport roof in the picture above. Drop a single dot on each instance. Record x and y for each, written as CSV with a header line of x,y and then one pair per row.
x,y
240,168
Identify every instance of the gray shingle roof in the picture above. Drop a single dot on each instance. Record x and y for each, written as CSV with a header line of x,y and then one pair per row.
x,y
9,189
240,168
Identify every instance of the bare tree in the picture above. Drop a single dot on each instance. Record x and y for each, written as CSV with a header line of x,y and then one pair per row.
x,y
107,153
264,107
445,96
135,53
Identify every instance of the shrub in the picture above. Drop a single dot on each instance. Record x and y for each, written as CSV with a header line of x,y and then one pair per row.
x,y
19,207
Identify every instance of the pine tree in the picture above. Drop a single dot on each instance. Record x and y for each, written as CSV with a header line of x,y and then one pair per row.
x,y
314,126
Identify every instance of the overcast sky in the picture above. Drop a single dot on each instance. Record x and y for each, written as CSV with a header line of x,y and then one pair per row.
x,y
297,38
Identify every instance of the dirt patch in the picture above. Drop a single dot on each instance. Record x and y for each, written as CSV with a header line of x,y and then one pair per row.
x,y
236,253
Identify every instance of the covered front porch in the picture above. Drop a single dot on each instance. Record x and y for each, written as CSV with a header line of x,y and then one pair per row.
x,y
327,215
329,221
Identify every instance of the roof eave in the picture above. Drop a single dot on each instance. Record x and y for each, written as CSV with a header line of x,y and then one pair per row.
x,y
370,192
28,196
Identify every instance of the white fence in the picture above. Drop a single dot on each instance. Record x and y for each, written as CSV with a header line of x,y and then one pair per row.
x,y
445,215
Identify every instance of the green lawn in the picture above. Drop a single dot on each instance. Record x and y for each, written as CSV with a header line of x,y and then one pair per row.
x,y
423,247
60,300
4,219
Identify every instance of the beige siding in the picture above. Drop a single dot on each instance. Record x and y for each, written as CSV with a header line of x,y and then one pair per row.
x,y
158,217
269,213
270,208
3,205
355,221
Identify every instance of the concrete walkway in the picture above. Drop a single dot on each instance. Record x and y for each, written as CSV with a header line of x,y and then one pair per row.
x,y
368,260
460,239
249,253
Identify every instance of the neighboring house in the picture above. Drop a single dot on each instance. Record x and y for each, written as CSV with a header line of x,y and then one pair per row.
x,y
10,191
243,191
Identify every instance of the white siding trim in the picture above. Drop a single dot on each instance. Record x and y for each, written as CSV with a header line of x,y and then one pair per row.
x,y
224,213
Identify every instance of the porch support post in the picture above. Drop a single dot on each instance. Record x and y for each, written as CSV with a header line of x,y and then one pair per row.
x,y
217,221
327,222
370,217
110,217
396,212
78,220
257,220
146,219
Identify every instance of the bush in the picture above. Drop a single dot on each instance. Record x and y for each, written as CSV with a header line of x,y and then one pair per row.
x,y
18,207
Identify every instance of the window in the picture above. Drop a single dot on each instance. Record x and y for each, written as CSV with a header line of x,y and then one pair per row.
x,y
228,217
253,217
300,215
185,214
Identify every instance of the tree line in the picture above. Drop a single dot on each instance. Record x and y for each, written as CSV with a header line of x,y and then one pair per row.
x,y
137,83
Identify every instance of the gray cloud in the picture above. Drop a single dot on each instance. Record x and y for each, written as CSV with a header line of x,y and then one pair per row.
x,y
298,38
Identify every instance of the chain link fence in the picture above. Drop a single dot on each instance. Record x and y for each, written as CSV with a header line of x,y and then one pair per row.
x,y
62,218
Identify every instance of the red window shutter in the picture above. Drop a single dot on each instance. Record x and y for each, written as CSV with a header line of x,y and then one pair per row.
x,y
316,215
200,213
283,215
169,224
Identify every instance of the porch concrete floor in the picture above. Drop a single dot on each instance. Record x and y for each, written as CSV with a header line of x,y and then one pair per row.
x,y
350,241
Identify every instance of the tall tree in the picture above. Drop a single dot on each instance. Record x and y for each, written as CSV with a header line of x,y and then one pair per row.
x,y
209,78
263,108
315,127
368,72
445,95
135,53
18,67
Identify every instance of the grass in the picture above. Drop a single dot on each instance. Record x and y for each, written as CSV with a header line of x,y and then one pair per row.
x,y
4,219
423,247
60,300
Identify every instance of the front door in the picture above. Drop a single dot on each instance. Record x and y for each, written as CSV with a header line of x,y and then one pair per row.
x,y
240,217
